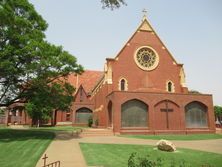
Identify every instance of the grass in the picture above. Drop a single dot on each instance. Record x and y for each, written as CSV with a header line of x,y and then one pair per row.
x,y
116,155
3,126
22,147
176,137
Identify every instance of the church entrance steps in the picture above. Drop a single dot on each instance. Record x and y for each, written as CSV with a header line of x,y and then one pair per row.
x,y
18,127
164,132
88,132
63,123
136,131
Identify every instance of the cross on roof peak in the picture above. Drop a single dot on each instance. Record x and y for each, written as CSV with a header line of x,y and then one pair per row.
x,y
144,14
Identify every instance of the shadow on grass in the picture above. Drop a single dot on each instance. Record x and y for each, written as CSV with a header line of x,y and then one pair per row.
x,y
9,135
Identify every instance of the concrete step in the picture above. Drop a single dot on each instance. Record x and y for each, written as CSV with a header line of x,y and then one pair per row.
x,y
88,132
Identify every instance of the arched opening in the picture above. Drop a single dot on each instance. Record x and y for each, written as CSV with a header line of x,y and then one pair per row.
x,y
110,114
83,115
169,87
196,115
134,113
122,84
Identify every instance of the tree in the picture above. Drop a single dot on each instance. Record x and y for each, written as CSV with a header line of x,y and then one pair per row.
x,y
25,55
218,112
29,65
32,70
194,92
112,4
46,98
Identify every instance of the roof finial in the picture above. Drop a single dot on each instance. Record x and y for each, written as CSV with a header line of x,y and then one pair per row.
x,y
144,14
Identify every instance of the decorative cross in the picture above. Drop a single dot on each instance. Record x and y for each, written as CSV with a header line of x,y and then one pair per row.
x,y
44,159
144,12
167,110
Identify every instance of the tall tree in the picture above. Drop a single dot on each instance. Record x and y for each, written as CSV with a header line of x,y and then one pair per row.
x,y
25,55
218,113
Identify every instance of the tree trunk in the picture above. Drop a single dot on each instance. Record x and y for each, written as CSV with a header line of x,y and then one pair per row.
x,y
55,117
52,118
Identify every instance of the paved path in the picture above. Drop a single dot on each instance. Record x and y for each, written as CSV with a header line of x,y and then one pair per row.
x,y
66,148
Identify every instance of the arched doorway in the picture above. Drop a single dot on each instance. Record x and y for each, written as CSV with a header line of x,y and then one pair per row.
x,y
134,113
110,114
83,115
196,115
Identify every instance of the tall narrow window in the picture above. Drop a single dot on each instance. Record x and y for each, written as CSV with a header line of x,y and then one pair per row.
x,y
81,94
123,84
169,86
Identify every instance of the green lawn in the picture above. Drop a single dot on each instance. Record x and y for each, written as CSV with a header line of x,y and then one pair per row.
x,y
116,155
176,137
22,148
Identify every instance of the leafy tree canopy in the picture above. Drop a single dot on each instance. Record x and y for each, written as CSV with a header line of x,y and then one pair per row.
x,y
194,92
27,60
112,4
218,110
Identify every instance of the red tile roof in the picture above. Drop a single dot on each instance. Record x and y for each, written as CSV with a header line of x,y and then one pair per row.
x,y
88,79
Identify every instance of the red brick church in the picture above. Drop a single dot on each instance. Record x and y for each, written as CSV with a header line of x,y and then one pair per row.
x,y
142,90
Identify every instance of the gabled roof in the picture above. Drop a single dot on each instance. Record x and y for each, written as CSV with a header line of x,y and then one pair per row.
x,y
88,79
144,26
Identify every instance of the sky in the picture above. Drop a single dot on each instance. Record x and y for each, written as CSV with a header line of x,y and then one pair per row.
x,y
191,30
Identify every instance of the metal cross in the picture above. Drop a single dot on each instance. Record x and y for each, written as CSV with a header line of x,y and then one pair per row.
x,y
44,159
144,12
167,110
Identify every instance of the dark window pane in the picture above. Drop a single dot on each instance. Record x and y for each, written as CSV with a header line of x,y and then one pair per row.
x,y
169,87
196,115
134,114
83,115
123,84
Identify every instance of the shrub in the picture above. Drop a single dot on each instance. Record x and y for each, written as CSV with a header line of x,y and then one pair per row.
x,y
145,161
90,122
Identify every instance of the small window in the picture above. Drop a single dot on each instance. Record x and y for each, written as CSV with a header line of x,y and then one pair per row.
x,y
169,86
81,94
122,84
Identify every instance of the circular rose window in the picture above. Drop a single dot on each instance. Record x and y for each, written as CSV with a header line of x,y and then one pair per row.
x,y
146,58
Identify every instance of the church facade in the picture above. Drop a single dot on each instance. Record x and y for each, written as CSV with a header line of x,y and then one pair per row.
x,y
141,91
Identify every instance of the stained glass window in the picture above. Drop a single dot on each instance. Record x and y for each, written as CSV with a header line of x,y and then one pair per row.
x,y
134,114
196,115
146,58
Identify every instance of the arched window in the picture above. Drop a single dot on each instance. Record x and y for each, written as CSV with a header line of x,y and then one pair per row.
x,y
123,86
196,115
169,86
83,115
134,113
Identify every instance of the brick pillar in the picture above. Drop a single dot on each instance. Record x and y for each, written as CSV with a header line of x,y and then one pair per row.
x,y
151,114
